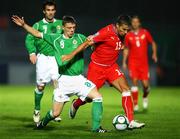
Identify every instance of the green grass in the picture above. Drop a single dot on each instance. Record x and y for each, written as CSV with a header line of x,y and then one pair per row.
x,y
16,106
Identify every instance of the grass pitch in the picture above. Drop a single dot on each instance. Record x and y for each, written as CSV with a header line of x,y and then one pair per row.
x,y
16,107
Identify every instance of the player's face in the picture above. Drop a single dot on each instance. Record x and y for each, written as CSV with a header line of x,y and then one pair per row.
x,y
122,29
49,12
69,29
135,23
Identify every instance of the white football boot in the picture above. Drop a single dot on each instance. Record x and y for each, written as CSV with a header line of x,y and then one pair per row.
x,y
36,116
135,125
58,119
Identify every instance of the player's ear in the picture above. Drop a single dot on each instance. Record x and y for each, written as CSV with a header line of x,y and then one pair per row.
x,y
63,27
117,25
43,11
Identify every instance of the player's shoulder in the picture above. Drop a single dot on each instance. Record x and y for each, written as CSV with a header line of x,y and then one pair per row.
x,y
144,30
129,34
108,28
39,22
80,36
58,21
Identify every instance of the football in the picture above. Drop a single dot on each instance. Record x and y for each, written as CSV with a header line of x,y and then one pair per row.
x,y
120,122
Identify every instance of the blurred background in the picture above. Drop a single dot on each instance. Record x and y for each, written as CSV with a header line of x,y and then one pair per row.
x,y
159,17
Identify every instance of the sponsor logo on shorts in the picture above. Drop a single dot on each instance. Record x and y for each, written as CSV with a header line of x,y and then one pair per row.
x,y
88,84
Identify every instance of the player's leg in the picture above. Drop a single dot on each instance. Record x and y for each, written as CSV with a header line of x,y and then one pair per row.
x,y
55,84
133,73
146,90
145,82
134,91
51,114
54,74
121,85
117,79
38,94
88,89
97,110
42,77
94,74
59,100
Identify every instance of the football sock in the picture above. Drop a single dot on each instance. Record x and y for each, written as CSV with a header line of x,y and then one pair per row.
x,y
49,116
146,91
128,105
78,103
134,91
97,110
38,96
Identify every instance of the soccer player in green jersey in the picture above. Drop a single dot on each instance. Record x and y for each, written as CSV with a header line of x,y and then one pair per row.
x,y
70,82
42,54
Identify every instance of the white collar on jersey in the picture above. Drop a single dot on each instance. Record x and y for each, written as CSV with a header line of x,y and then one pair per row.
x,y
44,20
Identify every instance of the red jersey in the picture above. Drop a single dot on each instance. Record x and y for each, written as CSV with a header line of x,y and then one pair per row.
x,y
107,46
138,44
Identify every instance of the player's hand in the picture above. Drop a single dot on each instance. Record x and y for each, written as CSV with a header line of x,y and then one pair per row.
x,y
17,20
90,37
154,57
66,57
33,58
124,65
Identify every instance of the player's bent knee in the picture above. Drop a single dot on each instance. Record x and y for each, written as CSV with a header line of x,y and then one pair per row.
x,y
40,87
98,99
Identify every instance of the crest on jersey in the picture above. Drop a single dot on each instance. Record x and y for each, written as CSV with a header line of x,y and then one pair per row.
x,y
143,36
62,44
58,27
74,42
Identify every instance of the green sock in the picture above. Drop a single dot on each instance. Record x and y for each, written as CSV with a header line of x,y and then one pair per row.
x,y
97,110
38,96
49,116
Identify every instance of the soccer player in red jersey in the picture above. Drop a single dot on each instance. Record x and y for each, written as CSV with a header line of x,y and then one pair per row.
x,y
103,67
136,51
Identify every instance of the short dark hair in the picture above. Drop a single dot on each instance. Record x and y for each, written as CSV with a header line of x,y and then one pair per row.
x,y
68,19
123,19
136,16
49,3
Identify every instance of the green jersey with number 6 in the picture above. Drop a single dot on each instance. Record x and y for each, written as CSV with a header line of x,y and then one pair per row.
x,y
62,46
36,45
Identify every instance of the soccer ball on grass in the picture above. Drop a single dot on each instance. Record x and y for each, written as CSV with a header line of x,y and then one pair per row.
x,y
120,122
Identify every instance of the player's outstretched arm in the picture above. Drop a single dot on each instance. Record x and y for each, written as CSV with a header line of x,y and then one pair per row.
x,y
80,48
20,22
125,56
154,53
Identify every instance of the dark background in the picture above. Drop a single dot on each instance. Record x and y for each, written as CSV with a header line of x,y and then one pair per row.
x,y
161,18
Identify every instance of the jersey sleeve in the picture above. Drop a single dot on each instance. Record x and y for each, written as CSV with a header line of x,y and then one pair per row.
x,y
50,38
149,37
100,36
29,41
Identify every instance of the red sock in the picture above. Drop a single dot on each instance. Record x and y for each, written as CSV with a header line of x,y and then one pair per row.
x,y
78,103
128,105
134,90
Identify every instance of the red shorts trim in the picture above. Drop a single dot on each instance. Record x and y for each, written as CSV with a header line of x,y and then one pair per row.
x,y
140,72
100,74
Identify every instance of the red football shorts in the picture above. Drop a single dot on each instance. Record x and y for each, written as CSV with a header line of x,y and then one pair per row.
x,y
100,74
139,71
